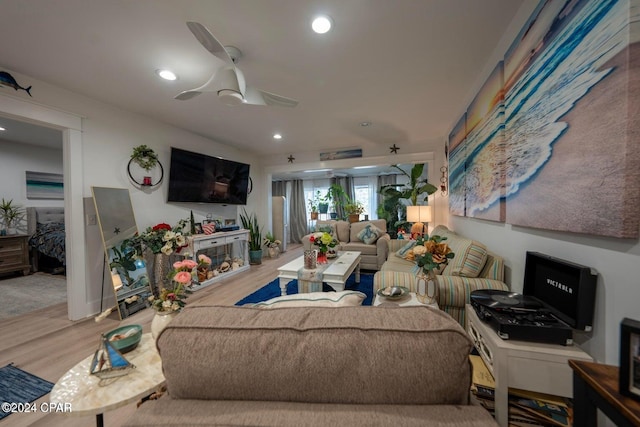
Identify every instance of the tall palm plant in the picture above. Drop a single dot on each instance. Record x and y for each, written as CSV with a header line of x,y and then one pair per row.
x,y
415,191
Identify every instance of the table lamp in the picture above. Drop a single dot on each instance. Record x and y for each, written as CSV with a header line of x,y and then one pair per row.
x,y
418,215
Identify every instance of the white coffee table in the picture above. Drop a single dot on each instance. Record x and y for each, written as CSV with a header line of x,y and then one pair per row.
x,y
335,272
87,396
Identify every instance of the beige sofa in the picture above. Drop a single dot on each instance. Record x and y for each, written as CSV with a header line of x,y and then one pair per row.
x,y
473,267
373,255
314,366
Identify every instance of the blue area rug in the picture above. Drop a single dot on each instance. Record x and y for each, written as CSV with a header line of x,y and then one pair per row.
x,y
18,386
272,289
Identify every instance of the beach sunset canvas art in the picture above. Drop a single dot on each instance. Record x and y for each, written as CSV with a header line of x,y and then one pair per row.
x,y
569,124
484,164
457,158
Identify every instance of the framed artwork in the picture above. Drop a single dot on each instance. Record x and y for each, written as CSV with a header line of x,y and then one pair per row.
x,y
42,185
630,358
341,154
198,227
229,221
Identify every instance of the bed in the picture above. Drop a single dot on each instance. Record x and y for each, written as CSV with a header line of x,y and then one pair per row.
x,y
45,226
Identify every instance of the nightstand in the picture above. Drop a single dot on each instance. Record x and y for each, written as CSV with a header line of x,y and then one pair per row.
x,y
14,254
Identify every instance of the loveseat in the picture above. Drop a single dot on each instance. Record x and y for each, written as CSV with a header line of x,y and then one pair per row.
x,y
374,254
313,366
473,267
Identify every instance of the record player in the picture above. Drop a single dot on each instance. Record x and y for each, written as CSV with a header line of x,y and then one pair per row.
x,y
559,297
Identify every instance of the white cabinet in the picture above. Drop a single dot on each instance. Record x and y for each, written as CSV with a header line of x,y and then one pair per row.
x,y
538,367
221,247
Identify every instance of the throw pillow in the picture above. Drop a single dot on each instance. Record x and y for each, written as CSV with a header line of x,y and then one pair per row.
x,y
329,228
407,248
315,299
369,234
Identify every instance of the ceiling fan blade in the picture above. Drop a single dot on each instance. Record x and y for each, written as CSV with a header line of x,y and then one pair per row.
x,y
187,94
255,96
208,41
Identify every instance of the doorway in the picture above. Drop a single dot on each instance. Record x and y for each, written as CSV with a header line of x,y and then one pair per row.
x,y
71,128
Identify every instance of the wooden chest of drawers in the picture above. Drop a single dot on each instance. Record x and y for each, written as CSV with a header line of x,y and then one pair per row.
x,y
14,254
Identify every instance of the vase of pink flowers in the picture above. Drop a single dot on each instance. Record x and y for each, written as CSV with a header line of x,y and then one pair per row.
x,y
172,298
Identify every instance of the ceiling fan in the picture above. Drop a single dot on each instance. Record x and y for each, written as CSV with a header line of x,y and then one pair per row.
x,y
228,81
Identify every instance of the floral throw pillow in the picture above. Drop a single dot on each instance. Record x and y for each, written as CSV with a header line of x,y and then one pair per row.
x,y
369,234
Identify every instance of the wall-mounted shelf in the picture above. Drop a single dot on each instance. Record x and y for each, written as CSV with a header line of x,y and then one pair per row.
x,y
147,181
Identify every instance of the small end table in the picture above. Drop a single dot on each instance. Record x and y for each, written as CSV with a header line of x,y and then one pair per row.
x,y
596,386
83,392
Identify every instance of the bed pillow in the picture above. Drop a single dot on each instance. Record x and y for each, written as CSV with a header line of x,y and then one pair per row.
x,y
315,299
369,234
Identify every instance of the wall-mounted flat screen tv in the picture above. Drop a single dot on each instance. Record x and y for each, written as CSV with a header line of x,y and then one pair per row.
x,y
196,177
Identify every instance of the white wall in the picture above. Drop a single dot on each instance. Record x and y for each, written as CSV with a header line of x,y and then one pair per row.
x,y
616,260
15,160
108,137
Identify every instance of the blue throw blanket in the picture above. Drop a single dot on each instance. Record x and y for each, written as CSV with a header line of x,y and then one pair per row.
x,y
272,289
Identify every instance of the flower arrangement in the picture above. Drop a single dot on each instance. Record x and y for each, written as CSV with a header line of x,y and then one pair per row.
x,y
431,254
323,241
270,241
173,299
162,238
203,261
203,267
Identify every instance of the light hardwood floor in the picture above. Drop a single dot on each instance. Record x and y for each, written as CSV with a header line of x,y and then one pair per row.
x,y
47,344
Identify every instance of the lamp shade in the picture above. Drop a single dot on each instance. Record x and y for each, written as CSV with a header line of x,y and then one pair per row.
x,y
419,213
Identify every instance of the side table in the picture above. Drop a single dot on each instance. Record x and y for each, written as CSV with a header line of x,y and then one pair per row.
x,y
531,366
596,386
83,392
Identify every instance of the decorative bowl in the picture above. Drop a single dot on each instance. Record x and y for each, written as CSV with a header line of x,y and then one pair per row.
x,y
393,292
125,338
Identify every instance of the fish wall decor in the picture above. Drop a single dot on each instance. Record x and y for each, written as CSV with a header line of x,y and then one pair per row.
x,y
7,79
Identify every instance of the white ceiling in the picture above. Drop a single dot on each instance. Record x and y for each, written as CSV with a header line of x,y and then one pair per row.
x,y
404,65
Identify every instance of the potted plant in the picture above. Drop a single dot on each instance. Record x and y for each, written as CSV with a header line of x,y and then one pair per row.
x,y
353,210
250,222
11,214
314,203
415,191
338,198
272,244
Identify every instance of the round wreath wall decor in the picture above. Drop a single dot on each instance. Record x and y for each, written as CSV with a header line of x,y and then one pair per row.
x,y
144,157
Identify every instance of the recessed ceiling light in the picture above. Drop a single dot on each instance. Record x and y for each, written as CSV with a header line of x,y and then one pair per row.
x,y
363,167
1,128
166,74
365,124
321,24
277,136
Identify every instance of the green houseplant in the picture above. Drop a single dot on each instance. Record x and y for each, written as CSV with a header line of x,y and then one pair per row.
x,y
250,222
354,210
392,208
11,214
337,197
314,203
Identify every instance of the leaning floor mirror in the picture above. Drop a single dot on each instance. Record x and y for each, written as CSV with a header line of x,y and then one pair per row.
x,y
128,272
